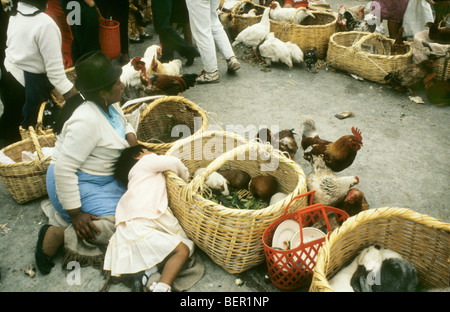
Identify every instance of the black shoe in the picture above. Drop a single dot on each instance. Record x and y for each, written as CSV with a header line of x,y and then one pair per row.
x,y
136,284
146,36
44,263
138,40
191,56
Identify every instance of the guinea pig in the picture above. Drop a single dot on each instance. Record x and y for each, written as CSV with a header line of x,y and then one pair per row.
x,y
263,187
236,178
215,181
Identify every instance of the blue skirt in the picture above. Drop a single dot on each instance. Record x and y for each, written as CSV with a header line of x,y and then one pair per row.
x,y
99,194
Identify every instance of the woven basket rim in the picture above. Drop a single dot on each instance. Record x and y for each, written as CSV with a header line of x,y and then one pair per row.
x,y
194,187
361,218
300,26
164,99
365,36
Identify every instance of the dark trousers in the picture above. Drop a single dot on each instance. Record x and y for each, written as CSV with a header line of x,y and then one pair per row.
x,y
163,16
37,91
13,97
86,33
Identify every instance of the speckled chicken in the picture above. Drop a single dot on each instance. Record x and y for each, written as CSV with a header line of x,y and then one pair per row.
x,y
330,188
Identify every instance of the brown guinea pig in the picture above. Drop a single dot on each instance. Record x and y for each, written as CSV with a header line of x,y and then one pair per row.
x,y
263,187
237,179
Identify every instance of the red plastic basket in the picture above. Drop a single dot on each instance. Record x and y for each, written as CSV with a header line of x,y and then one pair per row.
x,y
293,268
109,37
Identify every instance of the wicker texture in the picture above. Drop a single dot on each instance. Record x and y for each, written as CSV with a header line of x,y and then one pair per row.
x,y
241,22
230,237
26,180
312,32
346,52
161,120
442,67
420,239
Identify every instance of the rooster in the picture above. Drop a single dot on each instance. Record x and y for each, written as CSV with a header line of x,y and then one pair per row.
x,y
339,154
275,50
410,76
163,84
330,188
399,47
354,202
253,35
438,34
130,77
279,14
352,24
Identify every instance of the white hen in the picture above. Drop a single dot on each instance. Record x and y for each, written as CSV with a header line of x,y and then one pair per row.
x,y
253,35
130,77
296,52
279,14
275,50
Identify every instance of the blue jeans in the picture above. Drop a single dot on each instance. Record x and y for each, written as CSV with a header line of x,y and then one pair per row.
x,y
99,194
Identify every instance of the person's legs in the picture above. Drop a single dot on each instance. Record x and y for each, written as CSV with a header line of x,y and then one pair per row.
x,y
393,29
174,263
200,20
37,90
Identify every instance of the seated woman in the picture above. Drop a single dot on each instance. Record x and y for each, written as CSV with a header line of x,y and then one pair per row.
x,y
91,133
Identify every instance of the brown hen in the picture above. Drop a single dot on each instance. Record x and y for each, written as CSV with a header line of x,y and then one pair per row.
x,y
410,76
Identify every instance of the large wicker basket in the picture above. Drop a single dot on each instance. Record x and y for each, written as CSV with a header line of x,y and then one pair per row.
x,y
165,118
312,32
230,237
420,239
347,52
239,21
25,180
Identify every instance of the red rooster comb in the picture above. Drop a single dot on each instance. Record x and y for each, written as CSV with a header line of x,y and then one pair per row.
x,y
357,133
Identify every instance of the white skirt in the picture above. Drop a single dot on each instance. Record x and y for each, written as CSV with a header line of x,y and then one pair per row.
x,y
140,244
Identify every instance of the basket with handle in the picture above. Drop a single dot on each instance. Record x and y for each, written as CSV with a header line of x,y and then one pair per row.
x,y
418,238
366,55
293,267
312,32
26,180
231,237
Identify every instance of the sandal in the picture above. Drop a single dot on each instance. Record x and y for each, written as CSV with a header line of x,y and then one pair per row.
x,y
43,262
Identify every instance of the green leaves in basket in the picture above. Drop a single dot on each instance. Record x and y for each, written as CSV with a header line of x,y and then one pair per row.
x,y
237,200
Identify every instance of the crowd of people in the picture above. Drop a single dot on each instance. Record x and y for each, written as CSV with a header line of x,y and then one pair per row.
x,y
98,170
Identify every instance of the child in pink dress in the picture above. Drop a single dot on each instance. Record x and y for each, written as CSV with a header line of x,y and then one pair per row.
x,y
147,234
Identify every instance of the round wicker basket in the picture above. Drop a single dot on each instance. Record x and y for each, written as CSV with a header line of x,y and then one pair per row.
x,y
26,180
239,21
353,52
230,237
420,239
312,32
163,119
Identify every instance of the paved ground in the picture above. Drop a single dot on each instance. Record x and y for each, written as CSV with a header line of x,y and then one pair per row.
x,y
404,161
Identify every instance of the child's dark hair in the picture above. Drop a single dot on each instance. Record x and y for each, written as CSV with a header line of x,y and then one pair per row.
x,y
126,161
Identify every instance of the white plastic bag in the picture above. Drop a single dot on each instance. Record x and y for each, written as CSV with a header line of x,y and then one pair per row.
x,y
417,14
